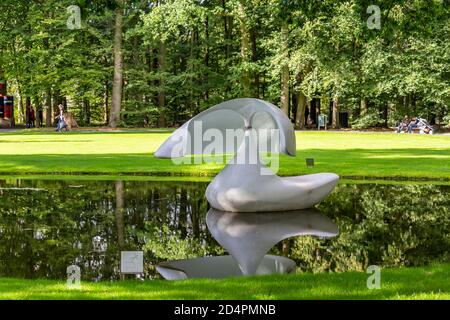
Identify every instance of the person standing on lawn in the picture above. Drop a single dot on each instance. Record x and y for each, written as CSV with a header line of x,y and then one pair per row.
x,y
61,124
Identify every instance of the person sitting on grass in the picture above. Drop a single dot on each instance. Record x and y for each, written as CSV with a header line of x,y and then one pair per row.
x,y
413,124
403,125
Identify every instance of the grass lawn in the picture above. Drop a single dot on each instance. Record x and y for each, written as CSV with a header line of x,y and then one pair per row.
x,y
349,154
430,282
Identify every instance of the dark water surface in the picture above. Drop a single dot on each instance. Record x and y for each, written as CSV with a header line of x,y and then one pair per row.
x,y
47,225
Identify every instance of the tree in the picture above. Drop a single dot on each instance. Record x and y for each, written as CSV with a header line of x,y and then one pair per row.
x,y
245,47
159,62
118,64
285,69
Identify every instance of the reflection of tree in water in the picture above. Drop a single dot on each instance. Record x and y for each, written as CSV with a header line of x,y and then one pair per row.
x,y
42,232
45,229
387,225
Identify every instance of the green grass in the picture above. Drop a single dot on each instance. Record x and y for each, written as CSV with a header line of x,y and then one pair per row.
x,y
349,154
430,282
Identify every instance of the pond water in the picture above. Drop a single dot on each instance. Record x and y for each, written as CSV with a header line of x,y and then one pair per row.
x,y
47,225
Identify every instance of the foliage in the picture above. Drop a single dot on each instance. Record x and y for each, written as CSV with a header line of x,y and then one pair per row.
x,y
401,225
181,57
370,120
446,120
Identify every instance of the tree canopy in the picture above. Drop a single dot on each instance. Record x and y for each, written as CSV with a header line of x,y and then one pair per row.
x,y
159,62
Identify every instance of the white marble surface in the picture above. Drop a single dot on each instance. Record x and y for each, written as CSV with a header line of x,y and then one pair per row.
x,y
232,114
250,186
241,187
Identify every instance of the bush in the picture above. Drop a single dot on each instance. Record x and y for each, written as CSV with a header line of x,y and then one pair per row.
x,y
371,119
446,120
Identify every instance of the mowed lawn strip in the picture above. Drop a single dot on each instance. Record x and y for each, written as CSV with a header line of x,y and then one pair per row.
x,y
429,282
349,154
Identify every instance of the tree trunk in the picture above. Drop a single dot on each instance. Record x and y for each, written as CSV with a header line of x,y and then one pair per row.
x,y
56,101
86,111
27,109
285,70
162,93
255,60
313,110
385,114
118,212
206,94
301,107
106,103
37,107
48,108
183,217
21,112
118,64
226,31
245,49
363,107
335,113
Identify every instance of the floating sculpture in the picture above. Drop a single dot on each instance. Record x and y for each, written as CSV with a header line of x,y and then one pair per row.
x,y
249,185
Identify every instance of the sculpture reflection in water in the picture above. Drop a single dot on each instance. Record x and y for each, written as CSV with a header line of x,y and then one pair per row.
x,y
248,237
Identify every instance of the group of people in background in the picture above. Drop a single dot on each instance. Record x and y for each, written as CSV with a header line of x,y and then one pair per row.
x,y
408,125
61,123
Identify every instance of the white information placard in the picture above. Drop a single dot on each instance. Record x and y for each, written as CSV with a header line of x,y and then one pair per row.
x,y
131,262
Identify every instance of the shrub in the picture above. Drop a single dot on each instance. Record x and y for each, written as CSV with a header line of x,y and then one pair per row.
x,y
371,119
446,120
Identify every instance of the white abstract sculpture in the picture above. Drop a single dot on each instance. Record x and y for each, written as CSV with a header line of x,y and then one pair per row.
x,y
246,184
249,186
232,114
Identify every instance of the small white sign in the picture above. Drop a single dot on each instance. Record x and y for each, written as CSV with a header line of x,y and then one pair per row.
x,y
131,262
